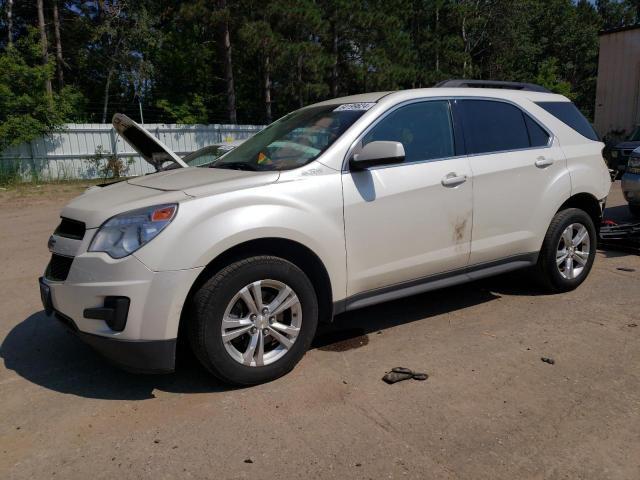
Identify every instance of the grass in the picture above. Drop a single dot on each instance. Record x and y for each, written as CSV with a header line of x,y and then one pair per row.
x,y
45,190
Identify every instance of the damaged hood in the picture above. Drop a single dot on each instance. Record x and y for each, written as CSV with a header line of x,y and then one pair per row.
x,y
149,147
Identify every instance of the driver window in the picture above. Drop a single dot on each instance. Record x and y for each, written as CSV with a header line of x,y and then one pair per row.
x,y
424,129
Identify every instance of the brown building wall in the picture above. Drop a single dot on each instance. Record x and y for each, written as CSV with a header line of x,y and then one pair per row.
x,y
617,109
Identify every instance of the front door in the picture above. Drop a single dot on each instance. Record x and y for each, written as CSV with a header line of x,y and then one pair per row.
x,y
409,220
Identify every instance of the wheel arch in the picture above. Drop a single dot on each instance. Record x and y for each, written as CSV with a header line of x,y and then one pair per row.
x,y
290,250
586,202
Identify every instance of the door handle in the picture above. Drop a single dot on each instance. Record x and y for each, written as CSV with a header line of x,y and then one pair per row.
x,y
453,180
544,162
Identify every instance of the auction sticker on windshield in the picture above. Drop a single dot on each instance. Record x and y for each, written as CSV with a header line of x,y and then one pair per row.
x,y
354,106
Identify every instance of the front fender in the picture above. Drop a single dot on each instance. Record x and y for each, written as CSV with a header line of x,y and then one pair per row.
x,y
308,212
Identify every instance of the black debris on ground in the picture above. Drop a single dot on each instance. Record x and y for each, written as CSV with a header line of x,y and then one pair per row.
x,y
248,460
398,374
631,325
548,360
626,269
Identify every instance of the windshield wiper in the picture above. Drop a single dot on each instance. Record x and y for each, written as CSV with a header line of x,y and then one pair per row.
x,y
235,166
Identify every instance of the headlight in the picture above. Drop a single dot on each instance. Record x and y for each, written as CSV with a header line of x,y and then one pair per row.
x,y
127,232
634,162
614,154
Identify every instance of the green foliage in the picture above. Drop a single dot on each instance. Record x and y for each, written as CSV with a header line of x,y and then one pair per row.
x,y
192,110
107,165
26,111
170,54
549,77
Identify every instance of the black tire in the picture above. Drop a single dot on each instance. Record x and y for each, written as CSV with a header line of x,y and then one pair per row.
x,y
211,300
549,273
635,210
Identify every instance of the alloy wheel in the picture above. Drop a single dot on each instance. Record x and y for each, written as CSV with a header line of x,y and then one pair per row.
x,y
261,323
573,251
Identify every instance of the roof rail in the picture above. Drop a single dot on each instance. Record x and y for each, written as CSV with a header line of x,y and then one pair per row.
x,y
460,83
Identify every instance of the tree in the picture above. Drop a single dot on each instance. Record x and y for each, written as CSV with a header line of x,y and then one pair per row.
x,y
27,109
251,61
9,23
43,41
225,45
56,32
265,44
120,40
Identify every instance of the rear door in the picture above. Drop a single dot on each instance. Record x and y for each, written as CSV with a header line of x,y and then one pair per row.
x,y
519,178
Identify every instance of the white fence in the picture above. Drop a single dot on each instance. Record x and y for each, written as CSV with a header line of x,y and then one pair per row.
x,y
66,155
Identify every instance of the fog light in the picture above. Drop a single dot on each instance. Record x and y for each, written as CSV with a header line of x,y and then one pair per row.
x,y
114,312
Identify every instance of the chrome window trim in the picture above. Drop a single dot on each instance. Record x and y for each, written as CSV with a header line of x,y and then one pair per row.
x,y
449,98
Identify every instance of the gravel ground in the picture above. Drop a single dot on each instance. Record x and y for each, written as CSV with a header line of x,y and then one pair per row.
x,y
490,408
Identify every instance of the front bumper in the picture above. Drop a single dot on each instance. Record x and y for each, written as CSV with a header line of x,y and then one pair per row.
x,y
631,188
147,341
137,356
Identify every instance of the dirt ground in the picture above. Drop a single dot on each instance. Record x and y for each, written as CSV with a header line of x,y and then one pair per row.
x,y
490,408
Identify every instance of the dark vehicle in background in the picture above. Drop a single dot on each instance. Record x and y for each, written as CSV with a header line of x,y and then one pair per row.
x,y
620,153
631,182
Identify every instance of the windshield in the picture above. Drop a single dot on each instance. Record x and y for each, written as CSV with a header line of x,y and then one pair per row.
x,y
635,136
294,140
205,156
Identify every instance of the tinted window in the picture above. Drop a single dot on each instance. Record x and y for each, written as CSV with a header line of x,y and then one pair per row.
x,y
424,129
568,113
537,136
491,126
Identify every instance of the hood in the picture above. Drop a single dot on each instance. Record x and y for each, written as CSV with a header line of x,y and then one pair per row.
x,y
149,147
627,145
96,205
198,182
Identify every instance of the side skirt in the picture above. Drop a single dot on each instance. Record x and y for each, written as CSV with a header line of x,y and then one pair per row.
x,y
434,282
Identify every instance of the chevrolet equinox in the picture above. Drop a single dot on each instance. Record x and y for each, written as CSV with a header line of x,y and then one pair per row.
x,y
336,206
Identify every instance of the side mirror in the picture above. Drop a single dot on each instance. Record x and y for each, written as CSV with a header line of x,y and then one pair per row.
x,y
377,153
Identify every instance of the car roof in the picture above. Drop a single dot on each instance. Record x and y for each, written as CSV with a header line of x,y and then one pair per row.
x,y
370,97
447,92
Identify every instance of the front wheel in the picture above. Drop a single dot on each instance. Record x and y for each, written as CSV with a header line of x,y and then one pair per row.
x,y
568,250
254,320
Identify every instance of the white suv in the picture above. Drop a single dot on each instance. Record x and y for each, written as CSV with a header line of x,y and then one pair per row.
x,y
336,206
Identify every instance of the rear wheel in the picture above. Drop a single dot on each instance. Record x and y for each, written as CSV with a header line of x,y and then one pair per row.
x,y
254,320
568,250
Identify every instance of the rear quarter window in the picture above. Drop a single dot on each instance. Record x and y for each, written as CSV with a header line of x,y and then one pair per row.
x,y
569,114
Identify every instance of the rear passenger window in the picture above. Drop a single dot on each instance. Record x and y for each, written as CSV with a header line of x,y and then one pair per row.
x,y
538,137
423,128
491,126
569,114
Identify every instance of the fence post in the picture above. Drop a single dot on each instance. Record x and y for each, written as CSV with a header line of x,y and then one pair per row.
x,y
114,141
32,160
